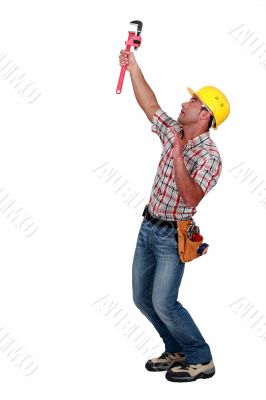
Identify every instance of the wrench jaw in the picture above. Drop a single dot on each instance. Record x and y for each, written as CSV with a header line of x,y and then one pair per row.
x,y
139,28
138,33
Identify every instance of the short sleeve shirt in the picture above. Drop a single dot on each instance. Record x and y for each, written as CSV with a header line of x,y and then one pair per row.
x,y
201,158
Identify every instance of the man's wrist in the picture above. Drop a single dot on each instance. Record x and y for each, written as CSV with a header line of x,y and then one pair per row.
x,y
178,158
134,69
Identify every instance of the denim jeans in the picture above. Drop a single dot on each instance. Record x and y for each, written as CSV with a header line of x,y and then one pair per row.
x,y
157,272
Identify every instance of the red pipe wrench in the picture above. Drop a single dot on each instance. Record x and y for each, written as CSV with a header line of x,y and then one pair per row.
x,y
134,39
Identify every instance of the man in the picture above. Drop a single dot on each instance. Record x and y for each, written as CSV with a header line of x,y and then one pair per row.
x,y
189,167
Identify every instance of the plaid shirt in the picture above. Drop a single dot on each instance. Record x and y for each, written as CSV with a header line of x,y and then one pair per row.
x,y
202,160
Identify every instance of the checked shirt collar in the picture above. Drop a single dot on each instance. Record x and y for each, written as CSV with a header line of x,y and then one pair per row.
x,y
197,140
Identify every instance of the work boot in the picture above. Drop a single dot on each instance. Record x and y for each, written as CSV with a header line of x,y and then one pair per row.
x,y
184,372
164,361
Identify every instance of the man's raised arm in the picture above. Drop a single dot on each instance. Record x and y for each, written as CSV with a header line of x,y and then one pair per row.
x,y
143,93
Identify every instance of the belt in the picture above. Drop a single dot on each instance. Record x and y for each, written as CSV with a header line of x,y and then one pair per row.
x,y
158,221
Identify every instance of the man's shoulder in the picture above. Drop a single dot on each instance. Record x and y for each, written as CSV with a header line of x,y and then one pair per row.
x,y
163,120
212,149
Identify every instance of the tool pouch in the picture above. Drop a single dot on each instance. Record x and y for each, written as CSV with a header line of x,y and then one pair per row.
x,y
187,248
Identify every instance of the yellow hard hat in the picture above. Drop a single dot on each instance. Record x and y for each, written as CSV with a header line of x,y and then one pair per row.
x,y
215,101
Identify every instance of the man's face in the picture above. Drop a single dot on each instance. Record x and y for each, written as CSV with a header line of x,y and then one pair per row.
x,y
190,112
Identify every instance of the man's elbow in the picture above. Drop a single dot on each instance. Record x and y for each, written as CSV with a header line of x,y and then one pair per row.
x,y
194,200
191,203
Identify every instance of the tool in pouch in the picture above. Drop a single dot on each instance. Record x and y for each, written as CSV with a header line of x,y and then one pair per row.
x,y
134,39
190,241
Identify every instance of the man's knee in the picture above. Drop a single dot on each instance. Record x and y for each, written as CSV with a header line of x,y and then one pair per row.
x,y
140,300
163,308
160,306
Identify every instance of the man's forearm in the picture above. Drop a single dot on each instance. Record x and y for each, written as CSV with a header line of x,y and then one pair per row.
x,y
188,189
143,93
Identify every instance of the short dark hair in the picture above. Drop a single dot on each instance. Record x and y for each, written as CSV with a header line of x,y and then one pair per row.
x,y
203,107
210,122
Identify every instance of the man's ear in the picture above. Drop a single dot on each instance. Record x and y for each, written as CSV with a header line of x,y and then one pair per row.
x,y
205,115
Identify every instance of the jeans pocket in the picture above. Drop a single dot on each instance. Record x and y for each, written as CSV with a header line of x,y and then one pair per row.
x,y
168,237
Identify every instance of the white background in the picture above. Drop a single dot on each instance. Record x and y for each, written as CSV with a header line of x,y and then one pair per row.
x,y
84,246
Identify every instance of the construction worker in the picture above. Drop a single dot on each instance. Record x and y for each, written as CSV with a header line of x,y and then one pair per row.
x,y
189,168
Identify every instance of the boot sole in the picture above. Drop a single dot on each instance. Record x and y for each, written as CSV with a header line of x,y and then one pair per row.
x,y
202,375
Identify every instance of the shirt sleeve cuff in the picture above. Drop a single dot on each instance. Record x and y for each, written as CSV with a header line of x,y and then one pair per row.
x,y
156,116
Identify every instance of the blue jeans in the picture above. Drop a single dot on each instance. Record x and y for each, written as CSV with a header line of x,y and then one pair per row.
x,y
156,276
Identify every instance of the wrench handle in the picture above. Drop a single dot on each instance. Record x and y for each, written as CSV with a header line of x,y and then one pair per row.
x,y
123,70
121,79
